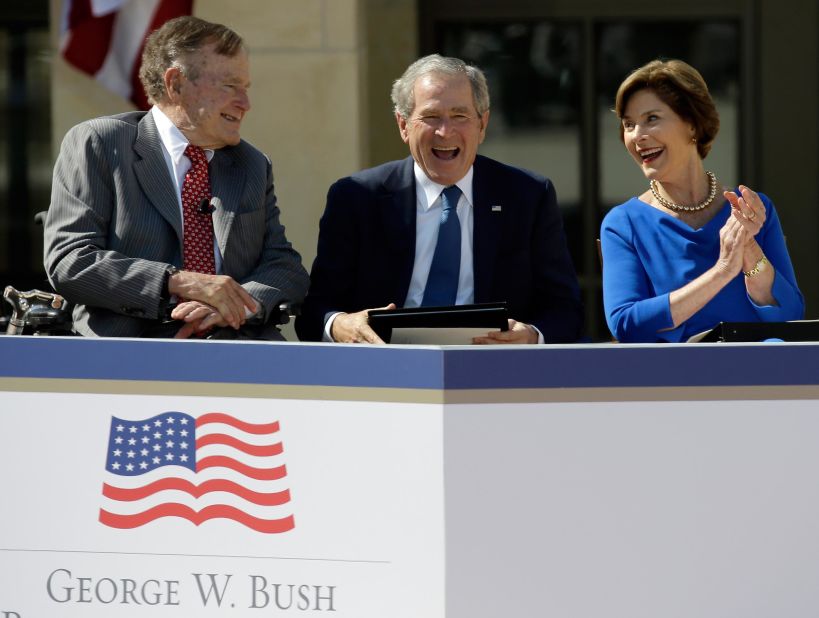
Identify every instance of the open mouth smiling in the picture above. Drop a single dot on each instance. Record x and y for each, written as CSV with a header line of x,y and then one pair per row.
x,y
447,154
650,154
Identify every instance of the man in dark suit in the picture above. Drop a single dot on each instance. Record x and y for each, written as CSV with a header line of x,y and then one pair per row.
x,y
169,213
383,230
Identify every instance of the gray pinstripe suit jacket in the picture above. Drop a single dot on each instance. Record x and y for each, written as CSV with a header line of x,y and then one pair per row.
x,y
114,226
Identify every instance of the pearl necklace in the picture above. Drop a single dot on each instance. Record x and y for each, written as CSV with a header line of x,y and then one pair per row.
x,y
712,180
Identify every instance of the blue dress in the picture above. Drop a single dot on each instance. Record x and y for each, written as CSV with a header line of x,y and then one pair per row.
x,y
647,254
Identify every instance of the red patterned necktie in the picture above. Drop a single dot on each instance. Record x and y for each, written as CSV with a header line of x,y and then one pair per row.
x,y
197,239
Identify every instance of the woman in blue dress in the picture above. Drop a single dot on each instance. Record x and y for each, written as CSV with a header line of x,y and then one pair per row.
x,y
688,253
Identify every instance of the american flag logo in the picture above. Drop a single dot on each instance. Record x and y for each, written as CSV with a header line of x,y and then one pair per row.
x,y
211,467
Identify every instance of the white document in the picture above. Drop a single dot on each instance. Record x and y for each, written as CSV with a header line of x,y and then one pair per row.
x,y
437,336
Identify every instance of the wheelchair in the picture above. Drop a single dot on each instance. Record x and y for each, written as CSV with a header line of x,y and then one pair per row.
x,y
41,313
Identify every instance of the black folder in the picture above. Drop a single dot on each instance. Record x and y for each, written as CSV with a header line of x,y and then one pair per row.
x,y
801,330
484,315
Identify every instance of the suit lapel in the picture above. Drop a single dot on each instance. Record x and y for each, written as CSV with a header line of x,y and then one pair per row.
x,y
227,182
486,231
151,172
397,204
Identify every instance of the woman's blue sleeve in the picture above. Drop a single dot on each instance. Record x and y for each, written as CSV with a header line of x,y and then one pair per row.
x,y
790,305
634,313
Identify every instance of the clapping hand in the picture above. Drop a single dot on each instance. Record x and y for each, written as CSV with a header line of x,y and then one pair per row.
x,y
732,239
747,209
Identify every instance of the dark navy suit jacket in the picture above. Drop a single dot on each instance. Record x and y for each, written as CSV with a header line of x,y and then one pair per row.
x,y
366,248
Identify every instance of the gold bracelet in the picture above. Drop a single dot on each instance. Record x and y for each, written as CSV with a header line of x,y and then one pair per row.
x,y
758,268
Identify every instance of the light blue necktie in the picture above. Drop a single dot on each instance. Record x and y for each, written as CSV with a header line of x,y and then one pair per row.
x,y
442,284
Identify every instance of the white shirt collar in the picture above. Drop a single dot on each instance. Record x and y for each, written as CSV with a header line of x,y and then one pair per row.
x,y
432,190
172,138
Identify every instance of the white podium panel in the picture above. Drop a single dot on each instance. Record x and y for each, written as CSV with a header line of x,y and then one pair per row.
x,y
354,526
633,509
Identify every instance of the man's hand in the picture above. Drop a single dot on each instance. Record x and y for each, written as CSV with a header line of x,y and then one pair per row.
x,y
518,333
198,318
355,327
220,292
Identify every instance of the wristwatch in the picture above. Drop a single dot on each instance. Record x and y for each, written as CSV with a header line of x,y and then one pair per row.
x,y
165,297
169,272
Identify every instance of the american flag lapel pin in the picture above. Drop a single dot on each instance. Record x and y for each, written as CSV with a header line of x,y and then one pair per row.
x,y
497,208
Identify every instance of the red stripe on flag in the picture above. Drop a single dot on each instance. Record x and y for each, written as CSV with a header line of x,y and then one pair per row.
x,y
89,38
216,511
254,428
167,9
125,494
259,450
260,474
80,11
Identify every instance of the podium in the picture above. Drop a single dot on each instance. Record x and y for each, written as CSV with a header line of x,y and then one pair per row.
x,y
407,482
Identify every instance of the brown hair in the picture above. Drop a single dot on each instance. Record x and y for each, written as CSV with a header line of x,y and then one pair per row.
x,y
682,88
175,44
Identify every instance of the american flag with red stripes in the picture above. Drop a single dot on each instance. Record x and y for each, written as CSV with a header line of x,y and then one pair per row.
x,y
104,38
215,466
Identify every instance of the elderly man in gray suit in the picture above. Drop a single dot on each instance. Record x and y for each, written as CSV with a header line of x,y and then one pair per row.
x,y
164,223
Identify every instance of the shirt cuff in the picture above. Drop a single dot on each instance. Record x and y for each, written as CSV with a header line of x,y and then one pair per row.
x,y
328,326
256,317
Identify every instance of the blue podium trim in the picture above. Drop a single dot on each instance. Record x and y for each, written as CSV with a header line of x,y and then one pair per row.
x,y
659,365
431,368
219,362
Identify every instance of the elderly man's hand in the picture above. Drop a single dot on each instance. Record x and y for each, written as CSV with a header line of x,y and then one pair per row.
x,y
198,318
220,292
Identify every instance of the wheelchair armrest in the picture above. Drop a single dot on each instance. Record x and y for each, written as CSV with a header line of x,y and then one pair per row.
x,y
285,311
43,312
